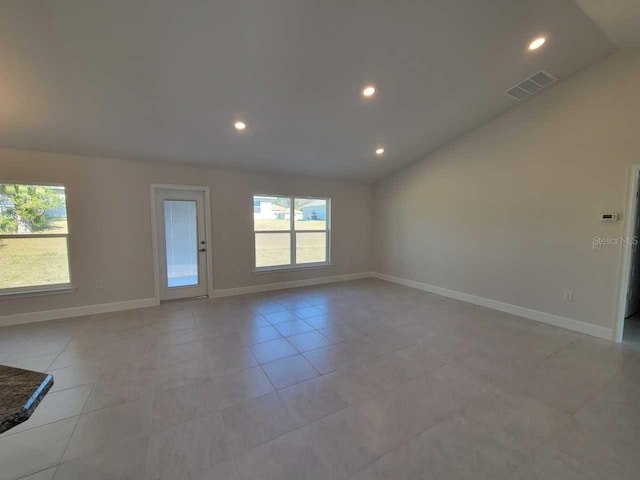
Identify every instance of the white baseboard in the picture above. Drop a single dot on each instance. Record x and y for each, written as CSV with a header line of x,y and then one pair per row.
x,y
41,316
44,315
269,287
556,320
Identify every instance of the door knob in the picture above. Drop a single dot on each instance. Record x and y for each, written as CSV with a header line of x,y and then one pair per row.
x,y
202,250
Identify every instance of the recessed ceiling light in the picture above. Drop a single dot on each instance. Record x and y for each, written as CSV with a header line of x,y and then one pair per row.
x,y
369,91
379,151
537,43
240,125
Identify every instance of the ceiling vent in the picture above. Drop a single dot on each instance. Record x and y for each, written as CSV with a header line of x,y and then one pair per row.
x,y
532,85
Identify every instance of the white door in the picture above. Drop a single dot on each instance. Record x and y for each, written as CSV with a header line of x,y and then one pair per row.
x,y
182,243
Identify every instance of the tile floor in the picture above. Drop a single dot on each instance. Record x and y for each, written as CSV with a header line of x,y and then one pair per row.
x,y
362,380
632,329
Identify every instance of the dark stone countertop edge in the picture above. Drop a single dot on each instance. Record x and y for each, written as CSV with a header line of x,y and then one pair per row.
x,y
23,412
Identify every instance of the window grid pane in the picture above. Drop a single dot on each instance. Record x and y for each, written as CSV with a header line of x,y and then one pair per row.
x,y
273,249
31,262
311,214
32,209
271,213
311,247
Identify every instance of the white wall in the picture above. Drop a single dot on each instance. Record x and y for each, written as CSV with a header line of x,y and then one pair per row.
x,y
110,223
508,211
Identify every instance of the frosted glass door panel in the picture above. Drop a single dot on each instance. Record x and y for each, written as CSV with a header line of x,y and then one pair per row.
x,y
181,238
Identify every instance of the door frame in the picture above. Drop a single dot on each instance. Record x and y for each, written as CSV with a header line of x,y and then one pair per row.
x,y
154,233
631,206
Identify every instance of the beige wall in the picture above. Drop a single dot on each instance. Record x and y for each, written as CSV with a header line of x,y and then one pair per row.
x,y
109,216
508,211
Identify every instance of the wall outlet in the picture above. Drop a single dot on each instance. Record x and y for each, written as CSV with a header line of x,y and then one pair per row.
x,y
99,285
568,296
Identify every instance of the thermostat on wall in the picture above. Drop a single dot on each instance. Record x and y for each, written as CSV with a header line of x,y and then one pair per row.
x,y
608,217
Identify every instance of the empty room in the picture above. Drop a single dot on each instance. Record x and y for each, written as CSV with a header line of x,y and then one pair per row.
x,y
319,239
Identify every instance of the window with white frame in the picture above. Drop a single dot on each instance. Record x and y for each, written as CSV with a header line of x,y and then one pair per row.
x,y
291,232
34,252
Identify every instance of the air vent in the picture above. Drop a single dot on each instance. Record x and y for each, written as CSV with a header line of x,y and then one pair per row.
x,y
531,85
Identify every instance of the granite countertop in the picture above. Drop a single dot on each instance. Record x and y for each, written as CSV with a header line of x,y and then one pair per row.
x,y
20,393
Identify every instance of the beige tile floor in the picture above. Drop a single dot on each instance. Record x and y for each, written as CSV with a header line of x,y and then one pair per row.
x,y
363,380
632,329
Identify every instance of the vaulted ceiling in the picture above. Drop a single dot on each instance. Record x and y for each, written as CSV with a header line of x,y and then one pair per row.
x,y
165,80
618,19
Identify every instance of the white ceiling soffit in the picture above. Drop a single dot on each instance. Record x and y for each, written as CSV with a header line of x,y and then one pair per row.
x,y
166,80
618,19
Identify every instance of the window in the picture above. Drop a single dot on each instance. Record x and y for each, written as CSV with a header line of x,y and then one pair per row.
x,y
33,237
291,232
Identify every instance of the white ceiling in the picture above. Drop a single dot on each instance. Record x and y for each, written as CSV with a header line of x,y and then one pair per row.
x,y
618,19
165,79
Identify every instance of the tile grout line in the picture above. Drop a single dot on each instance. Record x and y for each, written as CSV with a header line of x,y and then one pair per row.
x,y
74,429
